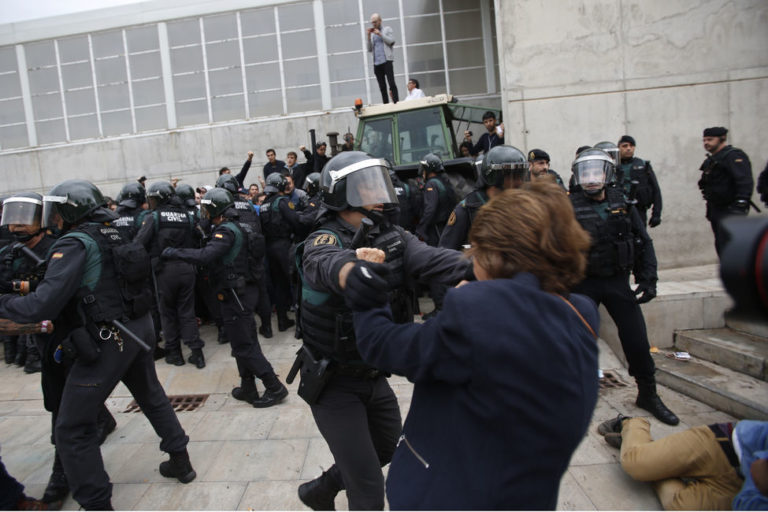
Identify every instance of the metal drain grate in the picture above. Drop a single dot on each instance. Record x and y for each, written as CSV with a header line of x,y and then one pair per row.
x,y
180,403
611,381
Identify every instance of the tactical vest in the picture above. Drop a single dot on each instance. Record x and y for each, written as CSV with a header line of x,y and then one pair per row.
x,y
612,241
129,221
232,270
245,212
272,222
638,170
325,319
717,183
446,199
173,228
473,202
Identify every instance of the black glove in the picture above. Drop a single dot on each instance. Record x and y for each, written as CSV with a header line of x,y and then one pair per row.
x,y
739,207
366,286
169,253
6,286
655,221
648,291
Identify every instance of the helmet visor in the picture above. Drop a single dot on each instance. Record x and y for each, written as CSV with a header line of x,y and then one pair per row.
x,y
591,174
51,215
368,183
21,210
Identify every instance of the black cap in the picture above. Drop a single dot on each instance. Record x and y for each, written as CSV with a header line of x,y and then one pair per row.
x,y
627,138
715,131
538,154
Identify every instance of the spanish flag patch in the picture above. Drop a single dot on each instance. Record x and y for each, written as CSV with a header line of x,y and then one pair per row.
x,y
57,255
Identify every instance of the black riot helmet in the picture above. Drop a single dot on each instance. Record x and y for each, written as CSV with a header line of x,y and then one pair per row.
x,y
215,202
73,201
132,195
312,183
501,162
592,169
186,194
353,179
160,192
275,183
228,183
23,209
431,163
610,148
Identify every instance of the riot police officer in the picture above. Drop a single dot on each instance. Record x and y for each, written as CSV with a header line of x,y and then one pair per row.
x,y
503,167
279,221
186,195
131,209
352,403
726,180
439,199
647,192
538,167
169,225
87,290
407,203
612,150
620,245
312,204
230,254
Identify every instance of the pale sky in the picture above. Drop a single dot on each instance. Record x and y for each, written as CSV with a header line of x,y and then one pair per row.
x,y
21,10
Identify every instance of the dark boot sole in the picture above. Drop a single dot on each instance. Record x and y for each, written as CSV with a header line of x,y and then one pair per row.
x,y
168,473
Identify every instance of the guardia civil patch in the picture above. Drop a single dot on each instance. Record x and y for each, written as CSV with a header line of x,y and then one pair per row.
x,y
325,239
57,255
451,219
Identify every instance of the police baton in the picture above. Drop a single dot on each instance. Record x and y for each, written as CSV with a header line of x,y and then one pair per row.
x,y
131,335
29,253
237,299
154,282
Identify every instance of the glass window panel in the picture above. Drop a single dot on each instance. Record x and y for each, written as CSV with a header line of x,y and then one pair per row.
x,y
225,81
43,80
341,11
295,16
12,111
468,81
424,29
86,127
301,72
110,70
49,132
303,99
377,139
116,123
454,5
420,133
187,59
106,44
344,94
425,58
463,25
73,49
9,85
8,59
345,67
13,137
184,32
189,87
142,38
298,44
420,7
399,63
343,39
227,109
76,75
223,26
80,102
431,83
223,54
47,106
386,8
151,118
262,76
40,54
257,21
260,49
145,65
193,112
265,103
112,97
465,53
148,92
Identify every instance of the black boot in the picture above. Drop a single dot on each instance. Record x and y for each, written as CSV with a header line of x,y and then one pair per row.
x,y
222,336
247,391
273,395
174,357
9,347
284,323
178,467
105,424
319,494
266,330
33,363
648,399
197,358
21,351
57,488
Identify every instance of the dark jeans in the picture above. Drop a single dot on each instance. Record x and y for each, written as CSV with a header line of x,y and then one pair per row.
x,y
360,420
382,70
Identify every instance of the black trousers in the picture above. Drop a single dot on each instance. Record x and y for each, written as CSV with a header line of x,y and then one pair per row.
x,y
716,215
278,250
386,70
11,490
614,292
176,286
86,389
241,331
360,420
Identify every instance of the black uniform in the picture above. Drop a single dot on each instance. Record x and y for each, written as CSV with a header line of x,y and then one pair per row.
x,y
456,231
648,193
81,301
169,225
439,200
726,184
407,203
762,186
356,411
129,221
620,244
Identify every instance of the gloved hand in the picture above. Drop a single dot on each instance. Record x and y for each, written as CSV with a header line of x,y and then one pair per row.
x,y
647,292
169,253
739,207
6,286
655,221
366,286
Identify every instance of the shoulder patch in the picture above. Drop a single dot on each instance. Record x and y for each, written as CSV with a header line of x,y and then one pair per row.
x,y
218,235
57,255
325,239
739,160
451,219
291,205
429,189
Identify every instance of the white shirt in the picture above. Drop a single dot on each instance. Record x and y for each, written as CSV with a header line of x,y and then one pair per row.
x,y
415,93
